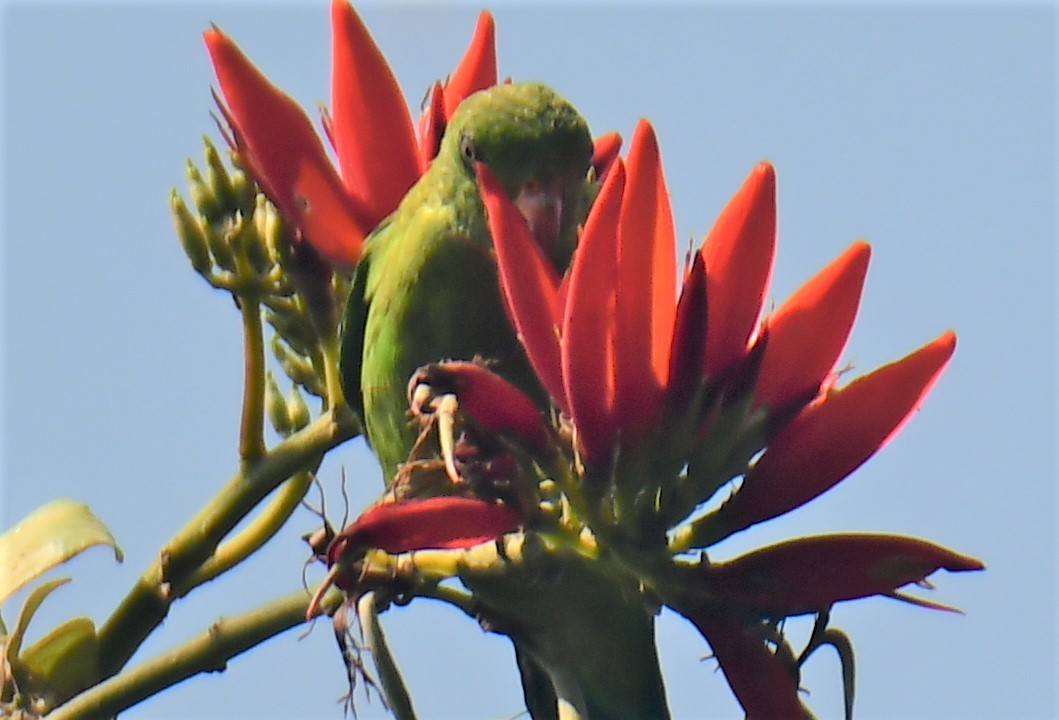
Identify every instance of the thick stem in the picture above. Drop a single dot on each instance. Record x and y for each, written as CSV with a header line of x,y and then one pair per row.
x,y
209,652
593,635
259,531
170,576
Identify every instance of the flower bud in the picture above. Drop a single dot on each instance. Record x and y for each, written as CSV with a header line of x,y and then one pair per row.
x,y
217,178
220,248
261,220
257,251
297,368
297,410
294,329
276,407
243,188
190,233
275,232
201,194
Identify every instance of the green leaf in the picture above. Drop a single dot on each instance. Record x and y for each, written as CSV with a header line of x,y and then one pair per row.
x,y
393,686
46,538
61,664
29,609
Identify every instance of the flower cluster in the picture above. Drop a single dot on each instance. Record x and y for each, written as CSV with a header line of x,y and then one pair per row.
x,y
700,382
380,153
666,386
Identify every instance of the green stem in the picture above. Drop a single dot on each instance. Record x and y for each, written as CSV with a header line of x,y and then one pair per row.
x,y
169,576
209,652
252,422
457,598
393,685
329,349
259,531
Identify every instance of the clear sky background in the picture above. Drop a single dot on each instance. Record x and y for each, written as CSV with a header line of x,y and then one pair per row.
x,y
929,130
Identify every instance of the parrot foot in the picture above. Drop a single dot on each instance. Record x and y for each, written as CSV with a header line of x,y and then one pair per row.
x,y
439,409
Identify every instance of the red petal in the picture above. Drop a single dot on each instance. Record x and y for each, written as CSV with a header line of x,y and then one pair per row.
x,y
493,402
808,574
739,252
760,682
831,438
327,123
431,127
529,284
374,139
290,162
687,357
809,331
564,291
588,324
604,152
646,298
435,523
477,68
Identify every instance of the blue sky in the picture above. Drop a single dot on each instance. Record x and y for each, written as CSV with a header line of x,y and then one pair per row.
x,y
929,130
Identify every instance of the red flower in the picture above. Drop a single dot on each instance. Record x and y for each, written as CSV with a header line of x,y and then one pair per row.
x,y
822,445
762,685
808,332
808,575
371,131
830,439
613,354
801,576
623,362
738,254
602,349
605,152
379,155
447,522
443,523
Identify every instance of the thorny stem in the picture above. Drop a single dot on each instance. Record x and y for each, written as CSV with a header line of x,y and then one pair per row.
x,y
252,422
171,574
209,652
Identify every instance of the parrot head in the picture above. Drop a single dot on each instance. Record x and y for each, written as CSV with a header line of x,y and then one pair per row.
x,y
538,146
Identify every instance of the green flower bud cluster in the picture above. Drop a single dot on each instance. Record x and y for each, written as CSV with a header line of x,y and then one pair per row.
x,y
238,242
289,414
231,235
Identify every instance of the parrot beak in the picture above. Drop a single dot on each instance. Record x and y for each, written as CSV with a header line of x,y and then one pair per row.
x,y
542,206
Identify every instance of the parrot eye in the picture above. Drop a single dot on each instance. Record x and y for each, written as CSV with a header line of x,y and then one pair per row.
x,y
467,150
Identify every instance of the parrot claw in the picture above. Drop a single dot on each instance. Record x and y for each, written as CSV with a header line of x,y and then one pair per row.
x,y
442,409
420,399
447,405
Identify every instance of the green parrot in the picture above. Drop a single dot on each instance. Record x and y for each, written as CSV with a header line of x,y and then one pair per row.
x,y
425,288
